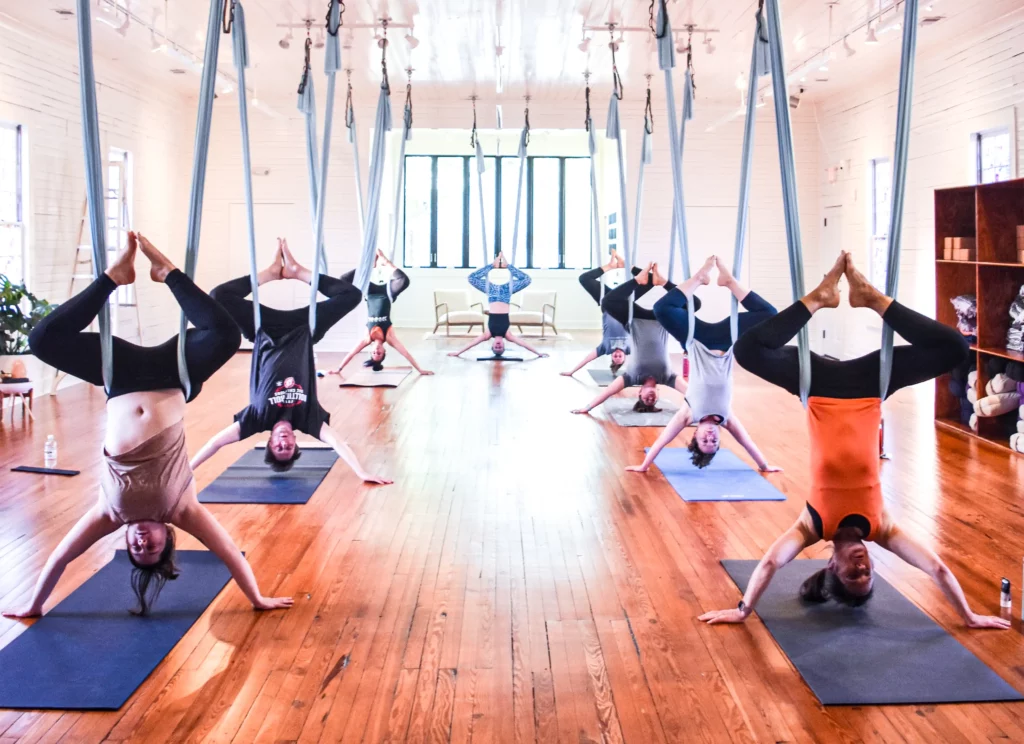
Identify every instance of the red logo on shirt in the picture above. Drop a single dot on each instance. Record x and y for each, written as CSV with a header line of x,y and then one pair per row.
x,y
288,394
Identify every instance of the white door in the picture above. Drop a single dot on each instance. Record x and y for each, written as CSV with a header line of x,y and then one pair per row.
x,y
827,328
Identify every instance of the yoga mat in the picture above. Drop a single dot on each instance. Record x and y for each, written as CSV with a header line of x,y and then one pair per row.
x,y
603,377
44,471
727,478
387,377
499,359
621,410
90,653
886,652
251,481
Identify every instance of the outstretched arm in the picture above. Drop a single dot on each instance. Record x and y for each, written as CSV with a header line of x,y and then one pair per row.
x,y
196,520
351,355
331,437
920,556
94,525
617,385
400,348
520,342
679,422
735,427
586,360
228,435
782,551
478,340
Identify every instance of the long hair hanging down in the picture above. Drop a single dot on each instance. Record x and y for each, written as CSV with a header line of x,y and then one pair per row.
x,y
147,581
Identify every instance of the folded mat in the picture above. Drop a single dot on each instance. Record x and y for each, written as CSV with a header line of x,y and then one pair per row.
x,y
499,359
90,653
251,481
366,377
727,478
621,411
886,652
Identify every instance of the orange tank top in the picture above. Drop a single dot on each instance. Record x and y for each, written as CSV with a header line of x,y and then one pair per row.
x,y
844,462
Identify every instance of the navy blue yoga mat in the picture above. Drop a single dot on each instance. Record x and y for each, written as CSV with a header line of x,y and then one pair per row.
x,y
886,652
251,481
727,478
90,653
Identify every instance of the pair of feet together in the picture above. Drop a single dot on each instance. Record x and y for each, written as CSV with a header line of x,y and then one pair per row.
x,y
122,271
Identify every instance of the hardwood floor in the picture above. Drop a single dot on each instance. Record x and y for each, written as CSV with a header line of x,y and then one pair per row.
x,y
515,584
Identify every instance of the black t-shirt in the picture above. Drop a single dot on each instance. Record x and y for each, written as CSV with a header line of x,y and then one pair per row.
x,y
282,385
378,307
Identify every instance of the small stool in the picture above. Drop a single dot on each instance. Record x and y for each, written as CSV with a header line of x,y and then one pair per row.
x,y
14,390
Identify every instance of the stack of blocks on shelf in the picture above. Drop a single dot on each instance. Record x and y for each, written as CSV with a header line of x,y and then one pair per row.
x,y
959,249
1002,399
962,384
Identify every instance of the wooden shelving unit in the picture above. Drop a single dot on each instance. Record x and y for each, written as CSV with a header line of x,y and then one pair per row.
x,y
989,213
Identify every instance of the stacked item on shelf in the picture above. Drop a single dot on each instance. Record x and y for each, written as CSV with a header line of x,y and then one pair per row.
x,y
1002,396
1015,335
960,386
966,308
1015,371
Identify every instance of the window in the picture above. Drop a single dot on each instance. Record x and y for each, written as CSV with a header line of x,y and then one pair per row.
x,y
117,214
881,206
442,211
12,225
992,156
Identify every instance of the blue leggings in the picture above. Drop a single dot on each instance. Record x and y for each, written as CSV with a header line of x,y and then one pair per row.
x,y
672,312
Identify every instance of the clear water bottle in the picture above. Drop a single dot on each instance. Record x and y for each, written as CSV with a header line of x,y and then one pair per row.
x,y
50,452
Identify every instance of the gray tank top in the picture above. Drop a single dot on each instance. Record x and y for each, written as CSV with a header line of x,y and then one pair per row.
x,y
710,385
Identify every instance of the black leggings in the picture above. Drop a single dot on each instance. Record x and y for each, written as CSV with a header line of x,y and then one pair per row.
x,y
342,299
672,312
61,341
396,285
616,302
934,350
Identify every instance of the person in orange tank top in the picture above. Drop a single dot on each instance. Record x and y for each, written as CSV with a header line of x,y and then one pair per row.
x,y
844,412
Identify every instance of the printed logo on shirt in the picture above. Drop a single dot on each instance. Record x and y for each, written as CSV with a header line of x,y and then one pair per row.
x,y
288,394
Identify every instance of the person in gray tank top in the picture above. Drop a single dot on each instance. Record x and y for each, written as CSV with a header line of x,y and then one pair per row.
x,y
708,403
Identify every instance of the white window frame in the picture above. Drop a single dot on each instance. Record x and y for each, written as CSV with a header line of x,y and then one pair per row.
x,y
1004,119
978,140
20,197
117,236
878,234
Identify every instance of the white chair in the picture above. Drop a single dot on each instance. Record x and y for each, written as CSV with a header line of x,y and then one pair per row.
x,y
534,308
452,307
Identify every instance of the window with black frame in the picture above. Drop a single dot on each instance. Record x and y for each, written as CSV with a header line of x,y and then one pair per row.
x,y
442,226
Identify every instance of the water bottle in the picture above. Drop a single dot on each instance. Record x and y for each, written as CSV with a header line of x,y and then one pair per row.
x,y
50,452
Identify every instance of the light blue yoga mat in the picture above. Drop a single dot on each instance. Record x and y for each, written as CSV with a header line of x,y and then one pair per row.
x,y
727,478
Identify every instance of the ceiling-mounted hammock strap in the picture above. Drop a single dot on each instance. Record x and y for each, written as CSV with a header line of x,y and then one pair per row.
x,y
332,63
791,210
406,136
646,156
899,181
613,130
524,141
758,57
481,166
240,54
307,105
353,139
94,169
378,150
595,214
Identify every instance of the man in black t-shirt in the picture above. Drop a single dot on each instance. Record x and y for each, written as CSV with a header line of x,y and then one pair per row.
x,y
282,381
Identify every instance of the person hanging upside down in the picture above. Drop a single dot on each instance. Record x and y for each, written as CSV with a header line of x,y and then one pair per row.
x,y
614,336
844,412
282,381
499,298
378,322
146,482
648,365
709,397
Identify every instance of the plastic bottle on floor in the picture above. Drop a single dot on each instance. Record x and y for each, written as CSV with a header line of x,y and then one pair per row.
x,y
50,451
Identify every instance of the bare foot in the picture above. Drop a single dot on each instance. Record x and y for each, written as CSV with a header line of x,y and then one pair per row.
x,y
827,293
645,275
703,274
160,266
657,278
725,277
122,271
862,293
619,262
292,268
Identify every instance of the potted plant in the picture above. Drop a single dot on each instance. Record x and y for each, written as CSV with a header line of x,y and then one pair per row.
x,y
20,312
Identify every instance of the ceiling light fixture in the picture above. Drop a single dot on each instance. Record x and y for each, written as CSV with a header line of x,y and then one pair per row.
x,y
286,41
411,40
584,46
871,38
110,14
850,51
709,46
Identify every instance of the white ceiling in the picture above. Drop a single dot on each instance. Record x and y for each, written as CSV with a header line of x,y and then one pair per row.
x,y
456,56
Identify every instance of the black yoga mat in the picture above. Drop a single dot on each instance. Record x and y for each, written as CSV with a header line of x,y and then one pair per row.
x,y
44,471
499,359
90,653
886,652
251,481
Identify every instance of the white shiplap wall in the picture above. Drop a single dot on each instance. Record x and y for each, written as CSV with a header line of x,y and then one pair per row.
x,y
972,85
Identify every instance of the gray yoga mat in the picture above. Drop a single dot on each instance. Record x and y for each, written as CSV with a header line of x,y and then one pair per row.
x,y
603,377
621,411
388,377
886,652
90,653
251,481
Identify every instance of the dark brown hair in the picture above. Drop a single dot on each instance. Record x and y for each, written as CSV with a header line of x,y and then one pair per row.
x,y
823,585
641,407
147,581
281,466
698,457
374,365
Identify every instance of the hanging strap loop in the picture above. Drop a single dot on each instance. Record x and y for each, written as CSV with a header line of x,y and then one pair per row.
x,y
524,141
383,43
617,90
350,112
473,135
306,66
406,136
648,112
587,121
334,24
229,15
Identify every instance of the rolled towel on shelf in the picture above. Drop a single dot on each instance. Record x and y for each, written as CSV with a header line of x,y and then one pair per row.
x,y
997,405
1017,443
1000,384
972,378
1020,427
974,422
972,396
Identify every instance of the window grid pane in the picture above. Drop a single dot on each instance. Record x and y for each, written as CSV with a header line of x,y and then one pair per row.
x,y
450,189
546,217
994,156
881,186
417,210
578,219
476,252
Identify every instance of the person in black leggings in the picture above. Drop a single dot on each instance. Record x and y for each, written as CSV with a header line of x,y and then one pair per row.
x,y
378,318
614,336
845,504
282,381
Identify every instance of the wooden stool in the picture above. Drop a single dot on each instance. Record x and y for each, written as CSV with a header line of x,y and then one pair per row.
x,y
14,390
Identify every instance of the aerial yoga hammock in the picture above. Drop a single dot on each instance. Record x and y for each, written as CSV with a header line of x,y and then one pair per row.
x,y
499,295
709,346
146,483
283,388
